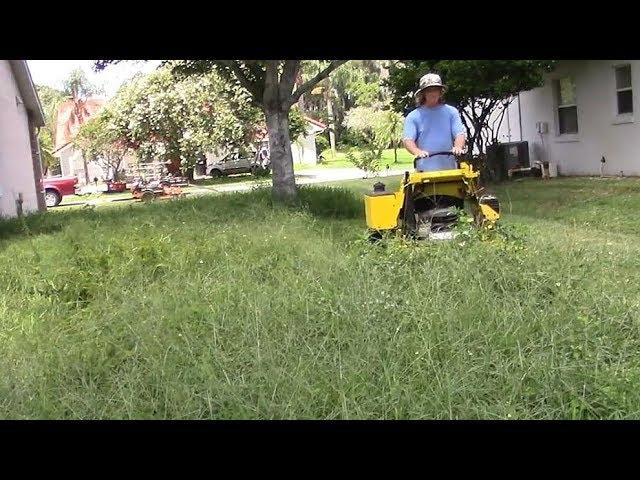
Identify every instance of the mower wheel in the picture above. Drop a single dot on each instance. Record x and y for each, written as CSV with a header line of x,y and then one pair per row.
x,y
375,236
147,196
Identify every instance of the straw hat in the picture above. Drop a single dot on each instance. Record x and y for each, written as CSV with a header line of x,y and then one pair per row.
x,y
429,80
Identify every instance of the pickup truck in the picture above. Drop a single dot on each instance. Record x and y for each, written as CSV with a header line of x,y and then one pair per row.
x,y
57,187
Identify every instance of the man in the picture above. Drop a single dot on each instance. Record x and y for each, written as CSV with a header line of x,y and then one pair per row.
x,y
433,127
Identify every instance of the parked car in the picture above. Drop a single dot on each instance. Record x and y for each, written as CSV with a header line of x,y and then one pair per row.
x,y
235,163
57,187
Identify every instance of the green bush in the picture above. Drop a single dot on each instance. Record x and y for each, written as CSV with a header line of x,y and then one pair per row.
x,y
365,159
348,139
322,143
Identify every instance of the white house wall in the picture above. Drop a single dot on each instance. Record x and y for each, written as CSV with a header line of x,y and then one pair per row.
x,y
304,150
72,164
16,165
599,131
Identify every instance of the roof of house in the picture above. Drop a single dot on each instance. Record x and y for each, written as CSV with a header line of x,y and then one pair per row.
x,y
67,125
27,90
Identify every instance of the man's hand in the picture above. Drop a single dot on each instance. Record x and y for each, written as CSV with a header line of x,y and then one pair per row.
x,y
413,149
459,145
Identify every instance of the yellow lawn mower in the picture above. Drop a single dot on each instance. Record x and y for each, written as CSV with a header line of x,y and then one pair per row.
x,y
428,204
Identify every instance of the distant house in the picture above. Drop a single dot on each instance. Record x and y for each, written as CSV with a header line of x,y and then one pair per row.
x,y
20,161
303,149
68,122
586,110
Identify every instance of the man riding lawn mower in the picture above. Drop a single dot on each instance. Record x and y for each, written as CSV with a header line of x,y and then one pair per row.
x,y
429,200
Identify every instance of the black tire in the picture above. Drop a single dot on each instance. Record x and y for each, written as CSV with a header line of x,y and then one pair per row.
x,y
375,236
215,173
148,196
52,198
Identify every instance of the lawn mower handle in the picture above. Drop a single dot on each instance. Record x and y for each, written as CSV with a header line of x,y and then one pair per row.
x,y
446,152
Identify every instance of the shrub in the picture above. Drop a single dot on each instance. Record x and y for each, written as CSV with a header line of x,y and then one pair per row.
x,y
321,143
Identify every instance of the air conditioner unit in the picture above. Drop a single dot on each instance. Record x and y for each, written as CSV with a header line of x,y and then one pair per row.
x,y
503,158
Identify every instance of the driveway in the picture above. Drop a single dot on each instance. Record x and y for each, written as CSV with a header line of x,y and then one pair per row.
x,y
303,177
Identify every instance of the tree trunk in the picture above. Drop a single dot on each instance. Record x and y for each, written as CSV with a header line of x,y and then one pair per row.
x,y
116,171
86,170
175,167
332,126
283,178
395,152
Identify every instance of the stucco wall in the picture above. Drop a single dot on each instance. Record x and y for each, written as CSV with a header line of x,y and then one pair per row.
x,y
16,167
600,132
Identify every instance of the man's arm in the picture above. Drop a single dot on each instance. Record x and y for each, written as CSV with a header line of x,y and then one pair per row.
x,y
410,136
459,131
413,149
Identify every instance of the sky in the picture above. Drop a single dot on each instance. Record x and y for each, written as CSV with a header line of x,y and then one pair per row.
x,y
52,73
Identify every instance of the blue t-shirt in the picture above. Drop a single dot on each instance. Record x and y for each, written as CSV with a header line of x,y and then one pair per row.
x,y
434,130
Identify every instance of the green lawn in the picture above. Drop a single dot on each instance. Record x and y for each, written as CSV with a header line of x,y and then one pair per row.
x,y
340,160
229,307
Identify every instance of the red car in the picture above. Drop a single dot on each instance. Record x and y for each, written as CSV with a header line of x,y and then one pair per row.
x,y
57,187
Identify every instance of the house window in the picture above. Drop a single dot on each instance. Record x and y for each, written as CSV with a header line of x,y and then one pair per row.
x,y
567,108
623,89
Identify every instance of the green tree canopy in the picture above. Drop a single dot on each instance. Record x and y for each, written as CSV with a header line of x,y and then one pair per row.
x,y
356,84
176,120
50,98
100,141
269,85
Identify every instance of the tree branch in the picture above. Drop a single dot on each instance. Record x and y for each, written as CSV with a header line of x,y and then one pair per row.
x,y
308,85
288,77
256,94
257,71
496,128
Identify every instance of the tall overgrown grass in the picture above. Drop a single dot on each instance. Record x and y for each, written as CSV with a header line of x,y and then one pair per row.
x,y
231,307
